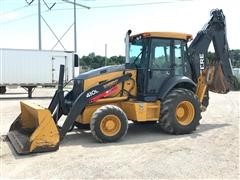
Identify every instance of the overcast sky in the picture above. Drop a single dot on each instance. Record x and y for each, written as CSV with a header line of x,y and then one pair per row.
x,y
107,24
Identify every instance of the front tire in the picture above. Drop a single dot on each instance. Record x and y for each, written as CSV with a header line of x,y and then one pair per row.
x,y
180,112
109,124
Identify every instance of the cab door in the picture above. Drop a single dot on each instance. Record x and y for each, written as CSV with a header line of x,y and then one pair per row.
x,y
159,68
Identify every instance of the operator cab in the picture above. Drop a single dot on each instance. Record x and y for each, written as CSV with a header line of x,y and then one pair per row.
x,y
157,56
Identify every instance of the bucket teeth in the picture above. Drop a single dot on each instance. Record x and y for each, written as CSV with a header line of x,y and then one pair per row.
x,y
19,141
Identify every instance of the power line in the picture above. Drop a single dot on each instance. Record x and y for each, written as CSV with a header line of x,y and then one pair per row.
x,y
93,7
105,6
26,6
13,10
22,18
81,5
132,4
18,19
125,5
23,7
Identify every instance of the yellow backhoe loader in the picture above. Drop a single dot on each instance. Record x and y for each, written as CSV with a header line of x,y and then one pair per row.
x,y
163,81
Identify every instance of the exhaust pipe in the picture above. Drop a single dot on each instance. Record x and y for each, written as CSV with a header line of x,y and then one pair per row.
x,y
127,46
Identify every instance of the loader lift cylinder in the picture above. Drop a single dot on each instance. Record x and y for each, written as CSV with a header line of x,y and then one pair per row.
x,y
61,77
59,92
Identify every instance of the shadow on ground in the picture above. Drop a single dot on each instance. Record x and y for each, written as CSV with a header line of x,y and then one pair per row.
x,y
137,134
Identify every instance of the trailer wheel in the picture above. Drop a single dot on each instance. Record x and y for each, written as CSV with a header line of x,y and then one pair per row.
x,y
109,124
3,89
180,112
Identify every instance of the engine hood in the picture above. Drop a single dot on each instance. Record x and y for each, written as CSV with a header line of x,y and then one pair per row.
x,y
98,71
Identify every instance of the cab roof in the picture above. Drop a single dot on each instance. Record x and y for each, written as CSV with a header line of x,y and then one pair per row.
x,y
172,35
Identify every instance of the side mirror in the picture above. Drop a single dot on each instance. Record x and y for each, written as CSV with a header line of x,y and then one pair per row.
x,y
76,60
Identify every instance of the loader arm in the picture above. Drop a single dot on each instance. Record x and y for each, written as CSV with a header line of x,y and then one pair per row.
x,y
214,76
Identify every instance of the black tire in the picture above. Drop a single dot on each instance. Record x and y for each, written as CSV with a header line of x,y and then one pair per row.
x,y
99,122
3,89
170,121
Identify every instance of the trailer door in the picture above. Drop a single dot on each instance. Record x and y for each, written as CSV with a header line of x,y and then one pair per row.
x,y
56,62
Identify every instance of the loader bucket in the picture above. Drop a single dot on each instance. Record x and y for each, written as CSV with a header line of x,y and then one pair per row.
x,y
34,130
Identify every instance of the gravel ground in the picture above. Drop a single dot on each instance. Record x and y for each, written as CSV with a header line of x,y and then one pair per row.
x,y
146,152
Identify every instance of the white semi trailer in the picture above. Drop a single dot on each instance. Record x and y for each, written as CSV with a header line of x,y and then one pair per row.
x,y
32,68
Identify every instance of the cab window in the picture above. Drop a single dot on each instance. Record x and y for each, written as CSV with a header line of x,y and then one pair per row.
x,y
160,58
179,53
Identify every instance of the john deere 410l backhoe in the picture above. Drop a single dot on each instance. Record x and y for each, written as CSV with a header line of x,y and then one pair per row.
x,y
163,80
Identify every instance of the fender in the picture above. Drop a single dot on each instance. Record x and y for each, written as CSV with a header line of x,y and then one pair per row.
x,y
176,82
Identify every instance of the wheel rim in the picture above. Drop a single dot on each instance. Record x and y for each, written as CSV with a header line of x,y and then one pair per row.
x,y
185,113
110,125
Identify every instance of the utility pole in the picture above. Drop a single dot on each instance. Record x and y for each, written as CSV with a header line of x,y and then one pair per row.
x,y
39,26
39,19
75,28
105,54
75,19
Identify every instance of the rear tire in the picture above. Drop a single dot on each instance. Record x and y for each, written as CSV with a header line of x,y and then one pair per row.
x,y
3,89
109,124
180,112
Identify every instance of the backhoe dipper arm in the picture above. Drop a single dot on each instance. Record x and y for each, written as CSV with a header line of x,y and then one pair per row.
x,y
214,31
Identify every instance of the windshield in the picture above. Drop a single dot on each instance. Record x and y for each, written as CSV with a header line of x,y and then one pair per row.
x,y
136,51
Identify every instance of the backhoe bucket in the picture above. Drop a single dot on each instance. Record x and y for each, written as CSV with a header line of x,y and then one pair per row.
x,y
219,82
34,130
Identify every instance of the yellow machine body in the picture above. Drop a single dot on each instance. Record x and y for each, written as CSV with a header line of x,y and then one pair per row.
x,y
129,85
136,111
174,35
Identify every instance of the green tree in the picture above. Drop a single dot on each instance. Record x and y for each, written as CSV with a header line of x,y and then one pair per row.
x,y
116,60
234,56
93,61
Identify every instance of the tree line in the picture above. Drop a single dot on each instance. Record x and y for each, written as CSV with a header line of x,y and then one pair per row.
x,y
234,56
93,61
